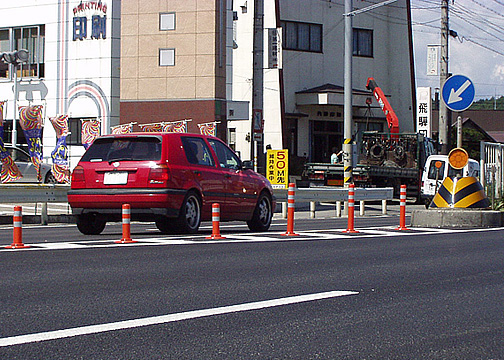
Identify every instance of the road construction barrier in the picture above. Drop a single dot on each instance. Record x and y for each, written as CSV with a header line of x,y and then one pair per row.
x,y
464,192
126,225
351,209
402,209
290,210
18,230
216,222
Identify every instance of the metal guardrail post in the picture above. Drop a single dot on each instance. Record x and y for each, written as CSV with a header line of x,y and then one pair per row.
x,y
44,218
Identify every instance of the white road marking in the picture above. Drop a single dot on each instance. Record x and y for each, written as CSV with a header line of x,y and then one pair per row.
x,y
271,236
163,319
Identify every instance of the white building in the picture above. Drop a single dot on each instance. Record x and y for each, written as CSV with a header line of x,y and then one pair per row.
x,y
73,69
312,72
83,54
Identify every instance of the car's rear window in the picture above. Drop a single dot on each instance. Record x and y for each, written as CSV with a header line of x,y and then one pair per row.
x,y
124,149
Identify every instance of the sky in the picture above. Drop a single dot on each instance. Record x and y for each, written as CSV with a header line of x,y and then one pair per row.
x,y
478,50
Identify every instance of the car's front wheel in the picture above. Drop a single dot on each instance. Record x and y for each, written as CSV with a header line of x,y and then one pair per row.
x,y
190,214
90,224
263,214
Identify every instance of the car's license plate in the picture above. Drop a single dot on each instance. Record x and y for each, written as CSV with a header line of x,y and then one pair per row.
x,y
115,178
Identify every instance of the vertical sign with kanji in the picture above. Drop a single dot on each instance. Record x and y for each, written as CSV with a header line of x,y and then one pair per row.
x,y
277,168
424,111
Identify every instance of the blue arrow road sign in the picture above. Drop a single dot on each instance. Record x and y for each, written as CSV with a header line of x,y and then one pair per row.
x,y
458,93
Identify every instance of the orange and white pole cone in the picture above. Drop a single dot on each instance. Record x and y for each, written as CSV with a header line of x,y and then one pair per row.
x,y
215,223
351,210
18,230
126,225
291,195
402,209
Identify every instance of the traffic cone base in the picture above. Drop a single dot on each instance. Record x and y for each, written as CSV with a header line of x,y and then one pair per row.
x,y
17,246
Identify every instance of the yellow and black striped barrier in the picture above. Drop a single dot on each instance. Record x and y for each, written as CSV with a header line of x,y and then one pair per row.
x,y
464,192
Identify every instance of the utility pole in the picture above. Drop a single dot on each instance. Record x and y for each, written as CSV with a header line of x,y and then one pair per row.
x,y
347,91
444,121
256,153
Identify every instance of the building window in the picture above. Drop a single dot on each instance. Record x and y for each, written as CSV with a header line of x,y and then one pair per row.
x,y
232,138
302,36
166,21
166,57
363,42
31,38
75,129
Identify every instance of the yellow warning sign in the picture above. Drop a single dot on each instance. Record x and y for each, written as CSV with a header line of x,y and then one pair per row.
x,y
277,168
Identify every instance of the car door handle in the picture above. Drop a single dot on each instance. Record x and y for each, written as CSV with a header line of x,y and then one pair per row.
x,y
197,173
227,176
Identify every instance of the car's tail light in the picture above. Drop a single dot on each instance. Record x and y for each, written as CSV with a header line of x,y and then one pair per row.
x,y
78,174
159,174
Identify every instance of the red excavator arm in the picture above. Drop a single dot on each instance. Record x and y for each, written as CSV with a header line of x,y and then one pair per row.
x,y
393,121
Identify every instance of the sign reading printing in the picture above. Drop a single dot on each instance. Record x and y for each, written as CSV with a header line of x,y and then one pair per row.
x,y
458,93
277,168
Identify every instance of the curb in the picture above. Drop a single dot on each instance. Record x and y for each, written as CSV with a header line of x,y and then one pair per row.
x,y
457,218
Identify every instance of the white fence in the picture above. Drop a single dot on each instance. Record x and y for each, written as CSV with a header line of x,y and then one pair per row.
x,y
492,169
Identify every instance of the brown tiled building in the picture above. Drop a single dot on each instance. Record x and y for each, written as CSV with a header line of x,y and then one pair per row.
x,y
172,62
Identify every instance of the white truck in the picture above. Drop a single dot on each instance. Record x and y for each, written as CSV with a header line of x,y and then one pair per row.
x,y
433,176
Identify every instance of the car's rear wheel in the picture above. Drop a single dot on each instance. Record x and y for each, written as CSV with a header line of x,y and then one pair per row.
x,y
263,214
90,224
190,214
165,225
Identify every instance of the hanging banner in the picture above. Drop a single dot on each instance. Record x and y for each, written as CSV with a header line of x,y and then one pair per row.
x,y
30,119
208,128
60,168
433,60
123,129
90,131
157,127
275,48
9,171
277,168
176,126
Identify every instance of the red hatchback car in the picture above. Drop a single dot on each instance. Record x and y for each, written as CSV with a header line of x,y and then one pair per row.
x,y
170,178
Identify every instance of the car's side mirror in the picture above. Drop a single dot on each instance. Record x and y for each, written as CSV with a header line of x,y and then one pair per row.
x,y
247,165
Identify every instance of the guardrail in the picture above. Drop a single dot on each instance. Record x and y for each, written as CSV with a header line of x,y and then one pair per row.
x,y
34,193
337,195
46,193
